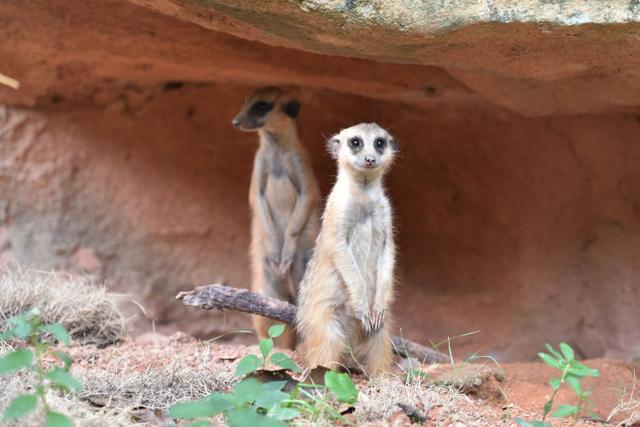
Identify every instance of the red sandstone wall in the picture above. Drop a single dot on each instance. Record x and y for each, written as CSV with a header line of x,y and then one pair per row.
x,y
525,230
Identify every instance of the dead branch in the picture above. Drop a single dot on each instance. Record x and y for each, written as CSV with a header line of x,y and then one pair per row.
x,y
223,297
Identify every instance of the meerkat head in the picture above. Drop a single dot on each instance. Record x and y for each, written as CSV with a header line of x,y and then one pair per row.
x,y
365,149
271,109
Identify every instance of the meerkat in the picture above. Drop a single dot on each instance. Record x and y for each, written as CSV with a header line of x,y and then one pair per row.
x,y
344,298
284,200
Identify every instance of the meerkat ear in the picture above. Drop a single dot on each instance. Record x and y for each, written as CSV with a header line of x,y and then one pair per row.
x,y
291,108
333,147
394,145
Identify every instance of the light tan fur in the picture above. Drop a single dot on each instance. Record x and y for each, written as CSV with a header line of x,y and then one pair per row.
x,y
284,201
344,299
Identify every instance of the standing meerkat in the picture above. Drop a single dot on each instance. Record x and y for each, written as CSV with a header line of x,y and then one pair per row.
x,y
283,197
344,299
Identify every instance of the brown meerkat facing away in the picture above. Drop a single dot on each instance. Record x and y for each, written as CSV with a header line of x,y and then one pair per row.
x,y
344,299
284,199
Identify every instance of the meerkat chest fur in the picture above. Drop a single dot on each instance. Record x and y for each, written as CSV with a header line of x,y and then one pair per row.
x,y
282,188
364,218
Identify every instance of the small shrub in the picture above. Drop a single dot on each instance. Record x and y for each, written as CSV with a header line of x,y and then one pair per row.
x,y
571,373
251,363
28,326
252,403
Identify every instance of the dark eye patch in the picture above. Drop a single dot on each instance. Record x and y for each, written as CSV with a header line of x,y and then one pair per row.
x,y
380,144
260,108
355,144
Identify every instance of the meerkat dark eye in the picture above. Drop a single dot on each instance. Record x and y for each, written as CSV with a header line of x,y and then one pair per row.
x,y
261,108
379,144
355,142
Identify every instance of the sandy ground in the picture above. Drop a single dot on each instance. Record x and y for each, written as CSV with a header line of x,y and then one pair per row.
x,y
483,393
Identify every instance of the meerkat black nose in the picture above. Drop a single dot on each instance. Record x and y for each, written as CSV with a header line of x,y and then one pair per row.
x,y
370,161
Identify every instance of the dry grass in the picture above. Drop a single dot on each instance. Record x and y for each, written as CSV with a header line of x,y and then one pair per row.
x,y
117,395
379,400
136,382
628,407
86,309
153,388
84,414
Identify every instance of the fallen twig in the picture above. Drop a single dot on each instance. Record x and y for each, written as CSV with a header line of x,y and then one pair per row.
x,y
223,297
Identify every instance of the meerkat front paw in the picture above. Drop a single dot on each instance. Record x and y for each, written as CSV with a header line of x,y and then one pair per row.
x,y
377,319
365,320
284,266
371,321
286,258
272,260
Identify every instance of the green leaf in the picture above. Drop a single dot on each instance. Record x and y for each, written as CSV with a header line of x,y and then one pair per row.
x,y
248,391
65,358
271,398
58,331
282,414
565,411
274,385
276,330
247,365
63,379
199,423
266,345
567,351
540,424
555,383
56,419
550,360
22,327
285,362
525,423
547,408
574,383
194,409
341,386
247,417
20,406
243,417
221,402
580,370
554,352
16,360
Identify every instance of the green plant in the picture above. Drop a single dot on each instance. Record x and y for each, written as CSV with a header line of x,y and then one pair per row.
x,y
29,327
251,363
571,373
252,403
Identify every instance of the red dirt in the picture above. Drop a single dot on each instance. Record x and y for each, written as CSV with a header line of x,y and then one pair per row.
x,y
521,391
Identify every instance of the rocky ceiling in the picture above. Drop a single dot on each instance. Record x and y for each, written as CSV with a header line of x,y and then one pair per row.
x,y
535,57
